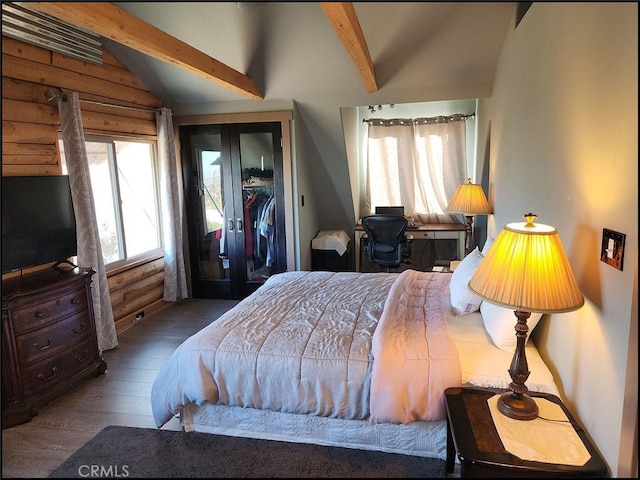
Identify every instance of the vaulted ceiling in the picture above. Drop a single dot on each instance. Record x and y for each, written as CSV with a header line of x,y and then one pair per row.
x,y
226,51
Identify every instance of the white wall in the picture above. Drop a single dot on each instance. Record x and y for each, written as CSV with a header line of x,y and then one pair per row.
x,y
563,123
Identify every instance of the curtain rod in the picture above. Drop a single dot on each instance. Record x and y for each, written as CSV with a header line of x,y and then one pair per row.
x,y
51,95
454,117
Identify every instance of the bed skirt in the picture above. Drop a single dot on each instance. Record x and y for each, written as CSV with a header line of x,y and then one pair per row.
x,y
422,439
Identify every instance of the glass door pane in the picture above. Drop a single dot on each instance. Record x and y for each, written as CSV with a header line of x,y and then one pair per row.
x,y
208,191
213,260
258,203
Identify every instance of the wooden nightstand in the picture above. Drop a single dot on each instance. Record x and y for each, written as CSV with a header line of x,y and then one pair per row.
x,y
472,434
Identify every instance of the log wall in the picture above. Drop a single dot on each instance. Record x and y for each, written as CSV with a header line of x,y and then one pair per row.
x,y
30,128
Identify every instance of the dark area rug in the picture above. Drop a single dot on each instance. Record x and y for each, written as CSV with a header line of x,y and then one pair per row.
x,y
124,452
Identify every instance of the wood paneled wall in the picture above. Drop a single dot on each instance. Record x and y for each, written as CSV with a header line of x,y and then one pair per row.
x,y
30,127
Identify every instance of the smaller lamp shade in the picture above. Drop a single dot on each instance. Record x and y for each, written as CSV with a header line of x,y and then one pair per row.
x,y
469,199
526,269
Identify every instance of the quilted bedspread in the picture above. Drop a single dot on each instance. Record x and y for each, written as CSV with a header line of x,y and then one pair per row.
x,y
302,343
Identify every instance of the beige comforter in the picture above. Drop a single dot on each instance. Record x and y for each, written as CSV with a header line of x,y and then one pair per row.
x,y
300,344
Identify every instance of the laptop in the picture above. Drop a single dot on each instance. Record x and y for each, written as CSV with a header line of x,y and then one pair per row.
x,y
399,210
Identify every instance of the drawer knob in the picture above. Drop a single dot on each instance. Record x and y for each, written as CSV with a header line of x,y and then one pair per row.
x,y
44,378
44,347
39,314
79,329
74,301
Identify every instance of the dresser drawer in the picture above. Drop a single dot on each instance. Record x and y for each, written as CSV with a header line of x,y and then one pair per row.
x,y
49,373
417,235
51,309
433,235
45,342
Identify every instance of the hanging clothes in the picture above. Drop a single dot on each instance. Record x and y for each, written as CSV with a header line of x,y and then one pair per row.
x,y
266,228
249,202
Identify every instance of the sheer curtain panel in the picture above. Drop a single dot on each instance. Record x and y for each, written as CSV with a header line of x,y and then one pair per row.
x,y
417,163
89,249
175,280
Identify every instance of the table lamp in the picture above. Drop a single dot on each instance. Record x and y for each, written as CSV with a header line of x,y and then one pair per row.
x,y
469,200
526,269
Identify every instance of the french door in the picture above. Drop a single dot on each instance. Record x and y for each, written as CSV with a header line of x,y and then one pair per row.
x,y
235,210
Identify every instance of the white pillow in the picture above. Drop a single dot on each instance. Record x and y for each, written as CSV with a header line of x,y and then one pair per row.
x,y
500,324
487,245
463,300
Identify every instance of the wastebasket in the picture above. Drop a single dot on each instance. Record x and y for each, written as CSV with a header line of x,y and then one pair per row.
x,y
330,251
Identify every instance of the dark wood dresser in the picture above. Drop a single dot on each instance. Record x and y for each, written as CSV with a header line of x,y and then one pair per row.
x,y
49,342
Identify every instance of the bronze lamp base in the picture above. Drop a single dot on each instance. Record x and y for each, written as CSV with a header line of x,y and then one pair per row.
x,y
518,406
516,403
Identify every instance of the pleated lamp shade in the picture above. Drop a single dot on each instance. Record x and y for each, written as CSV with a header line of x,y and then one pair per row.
x,y
526,269
469,199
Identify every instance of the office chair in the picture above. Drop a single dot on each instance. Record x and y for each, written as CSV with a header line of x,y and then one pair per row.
x,y
387,244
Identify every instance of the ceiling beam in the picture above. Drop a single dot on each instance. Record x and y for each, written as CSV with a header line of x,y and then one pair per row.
x,y
345,22
113,23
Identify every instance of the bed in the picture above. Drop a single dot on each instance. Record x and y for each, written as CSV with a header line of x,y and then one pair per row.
x,y
357,360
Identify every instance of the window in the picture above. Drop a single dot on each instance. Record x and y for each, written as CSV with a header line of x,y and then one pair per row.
x,y
124,183
416,163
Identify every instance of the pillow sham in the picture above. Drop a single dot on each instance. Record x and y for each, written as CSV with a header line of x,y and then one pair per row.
x,y
463,300
500,324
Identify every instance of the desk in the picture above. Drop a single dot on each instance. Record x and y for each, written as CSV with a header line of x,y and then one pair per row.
x,y
432,231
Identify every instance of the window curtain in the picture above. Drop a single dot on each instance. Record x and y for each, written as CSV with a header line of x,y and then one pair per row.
x,y
175,280
89,249
417,163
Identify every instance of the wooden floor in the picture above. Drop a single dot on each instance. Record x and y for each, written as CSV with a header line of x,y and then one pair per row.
x,y
120,397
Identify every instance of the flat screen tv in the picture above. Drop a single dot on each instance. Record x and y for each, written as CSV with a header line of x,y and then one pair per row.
x,y
38,221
